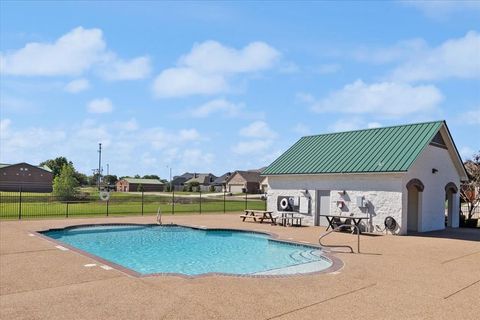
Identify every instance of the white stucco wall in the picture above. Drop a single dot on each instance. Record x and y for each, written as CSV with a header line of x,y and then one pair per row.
x,y
433,196
383,191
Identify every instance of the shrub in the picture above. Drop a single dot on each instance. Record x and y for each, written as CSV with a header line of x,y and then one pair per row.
x,y
65,186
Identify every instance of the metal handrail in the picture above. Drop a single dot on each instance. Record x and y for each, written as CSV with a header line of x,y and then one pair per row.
x,y
341,246
159,216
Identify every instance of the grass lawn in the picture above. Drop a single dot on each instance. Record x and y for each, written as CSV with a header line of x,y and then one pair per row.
x,y
39,209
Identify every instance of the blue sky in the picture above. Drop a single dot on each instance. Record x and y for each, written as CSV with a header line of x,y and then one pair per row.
x,y
215,87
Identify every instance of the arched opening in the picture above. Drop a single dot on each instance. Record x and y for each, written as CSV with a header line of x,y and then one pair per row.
x,y
450,190
414,205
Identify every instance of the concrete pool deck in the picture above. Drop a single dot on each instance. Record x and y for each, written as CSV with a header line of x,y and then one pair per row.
x,y
430,276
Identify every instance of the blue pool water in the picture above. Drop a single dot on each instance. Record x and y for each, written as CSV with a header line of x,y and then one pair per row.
x,y
176,249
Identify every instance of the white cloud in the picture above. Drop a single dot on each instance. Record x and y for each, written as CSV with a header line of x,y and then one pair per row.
x,y
188,135
177,82
117,69
103,105
208,67
251,147
161,139
17,145
77,85
455,58
258,129
72,54
355,123
387,99
471,116
222,106
4,126
213,57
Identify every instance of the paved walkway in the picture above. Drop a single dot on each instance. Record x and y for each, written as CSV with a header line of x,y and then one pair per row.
x,y
430,276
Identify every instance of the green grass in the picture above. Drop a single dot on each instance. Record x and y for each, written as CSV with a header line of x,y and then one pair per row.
x,y
31,209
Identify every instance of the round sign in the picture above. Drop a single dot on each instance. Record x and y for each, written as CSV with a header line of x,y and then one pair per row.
x,y
104,195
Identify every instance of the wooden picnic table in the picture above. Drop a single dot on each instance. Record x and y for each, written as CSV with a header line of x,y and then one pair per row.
x,y
260,215
332,220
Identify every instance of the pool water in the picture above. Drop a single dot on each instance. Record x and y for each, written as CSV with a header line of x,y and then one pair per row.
x,y
176,249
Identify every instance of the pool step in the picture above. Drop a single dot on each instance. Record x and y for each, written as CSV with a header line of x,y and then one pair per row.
x,y
303,256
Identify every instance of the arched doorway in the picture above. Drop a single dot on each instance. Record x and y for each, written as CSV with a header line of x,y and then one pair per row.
x,y
450,190
414,205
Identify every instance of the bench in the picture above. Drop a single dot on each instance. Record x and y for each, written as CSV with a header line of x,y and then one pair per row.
x,y
260,215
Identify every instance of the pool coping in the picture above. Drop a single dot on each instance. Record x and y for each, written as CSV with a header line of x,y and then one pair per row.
x,y
337,263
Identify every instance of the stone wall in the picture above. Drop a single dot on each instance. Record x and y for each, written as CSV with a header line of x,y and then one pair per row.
x,y
382,191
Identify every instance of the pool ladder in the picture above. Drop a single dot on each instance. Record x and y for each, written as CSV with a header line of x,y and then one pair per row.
x,y
159,216
341,246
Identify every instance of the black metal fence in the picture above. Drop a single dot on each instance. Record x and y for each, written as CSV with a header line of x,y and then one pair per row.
x,y
25,205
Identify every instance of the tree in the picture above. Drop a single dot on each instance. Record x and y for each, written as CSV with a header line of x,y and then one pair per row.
x,y
470,190
81,178
193,184
65,186
56,165
110,179
151,176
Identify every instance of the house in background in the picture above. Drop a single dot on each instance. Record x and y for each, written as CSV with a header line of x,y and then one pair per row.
x,y
178,182
411,173
25,177
133,185
204,180
244,181
220,183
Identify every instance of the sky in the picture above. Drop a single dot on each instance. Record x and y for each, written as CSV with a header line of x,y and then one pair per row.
x,y
224,86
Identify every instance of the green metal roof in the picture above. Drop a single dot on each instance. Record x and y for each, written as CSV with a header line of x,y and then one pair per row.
x,y
143,181
389,149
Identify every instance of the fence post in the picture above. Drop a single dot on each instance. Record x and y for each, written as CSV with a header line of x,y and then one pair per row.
x,y
142,202
224,202
107,206
20,205
246,207
66,211
173,200
200,191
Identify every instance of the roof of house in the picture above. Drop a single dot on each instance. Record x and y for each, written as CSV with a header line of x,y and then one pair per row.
x,y
248,176
388,149
4,165
222,179
143,181
202,178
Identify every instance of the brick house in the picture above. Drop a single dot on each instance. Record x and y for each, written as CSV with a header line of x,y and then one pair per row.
x,y
25,177
132,185
244,181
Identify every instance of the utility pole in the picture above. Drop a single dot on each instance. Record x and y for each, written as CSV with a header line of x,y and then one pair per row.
x,y
99,164
108,169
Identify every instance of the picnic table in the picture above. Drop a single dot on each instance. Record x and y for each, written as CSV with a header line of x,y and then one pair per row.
x,y
289,218
333,220
260,215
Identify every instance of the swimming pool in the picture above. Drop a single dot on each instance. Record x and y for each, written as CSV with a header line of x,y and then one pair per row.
x,y
151,249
